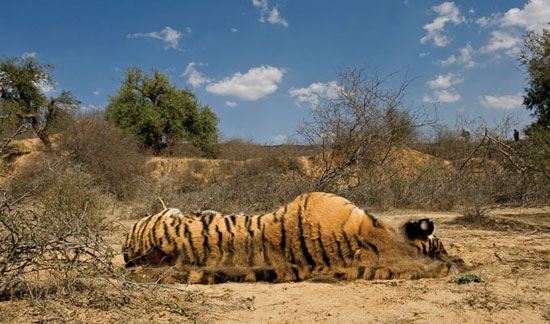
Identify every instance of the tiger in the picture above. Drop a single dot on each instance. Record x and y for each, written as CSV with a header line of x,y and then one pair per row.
x,y
317,235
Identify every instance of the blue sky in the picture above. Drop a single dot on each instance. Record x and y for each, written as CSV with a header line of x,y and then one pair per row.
x,y
261,64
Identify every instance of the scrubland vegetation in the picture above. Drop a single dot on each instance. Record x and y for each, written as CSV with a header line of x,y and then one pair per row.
x,y
62,196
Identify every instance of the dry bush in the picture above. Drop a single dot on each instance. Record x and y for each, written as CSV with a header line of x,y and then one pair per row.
x,y
181,150
254,186
239,150
53,236
357,128
246,149
108,155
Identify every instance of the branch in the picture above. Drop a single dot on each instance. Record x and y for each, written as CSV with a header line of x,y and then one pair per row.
x,y
7,140
475,150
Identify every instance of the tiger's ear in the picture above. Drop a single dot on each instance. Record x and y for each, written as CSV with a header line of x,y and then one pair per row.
x,y
422,228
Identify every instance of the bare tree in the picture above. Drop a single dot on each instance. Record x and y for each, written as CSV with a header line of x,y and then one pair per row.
x,y
357,127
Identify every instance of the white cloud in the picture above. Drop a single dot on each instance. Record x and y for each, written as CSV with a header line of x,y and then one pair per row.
x,y
443,96
493,20
314,91
511,24
447,12
28,55
445,81
234,30
423,54
96,93
448,61
253,85
443,88
534,16
503,40
91,108
273,16
169,36
194,77
279,139
231,104
45,86
505,102
464,58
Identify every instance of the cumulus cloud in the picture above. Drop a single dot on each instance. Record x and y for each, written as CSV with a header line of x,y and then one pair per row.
x,y
534,16
45,86
464,57
505,102
279,139
445,81
314,91
252,85
234,30
492,20
169,36
96,93
447,12
231,103
273,15
442,96
443,88
91,108
194,77
512,24
503,40
28,55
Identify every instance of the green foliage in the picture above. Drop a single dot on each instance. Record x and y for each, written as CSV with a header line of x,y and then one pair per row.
x,y
401,124
537,61
19,83
158,113
22,100
467,278
535,150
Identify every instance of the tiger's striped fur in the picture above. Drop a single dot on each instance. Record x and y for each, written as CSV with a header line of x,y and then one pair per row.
x,y
316,235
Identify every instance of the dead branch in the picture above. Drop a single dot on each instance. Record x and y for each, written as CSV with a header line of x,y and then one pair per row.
x,y
475,149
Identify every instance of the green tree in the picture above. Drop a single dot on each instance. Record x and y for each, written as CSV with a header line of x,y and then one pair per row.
x,y
157,113
536,58
22,100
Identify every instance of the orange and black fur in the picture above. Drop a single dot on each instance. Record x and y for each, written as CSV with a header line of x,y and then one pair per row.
x,y
316,235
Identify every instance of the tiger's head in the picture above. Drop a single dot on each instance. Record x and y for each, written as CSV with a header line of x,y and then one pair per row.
x,y
420,236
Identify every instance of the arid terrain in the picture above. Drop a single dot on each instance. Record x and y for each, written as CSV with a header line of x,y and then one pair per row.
x,y
509,249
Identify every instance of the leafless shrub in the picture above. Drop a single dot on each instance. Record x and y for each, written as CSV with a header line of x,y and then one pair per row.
x,y
104,152
357,128
54,235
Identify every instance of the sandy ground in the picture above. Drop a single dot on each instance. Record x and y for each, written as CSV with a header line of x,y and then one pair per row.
x,y
510,251
514,264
